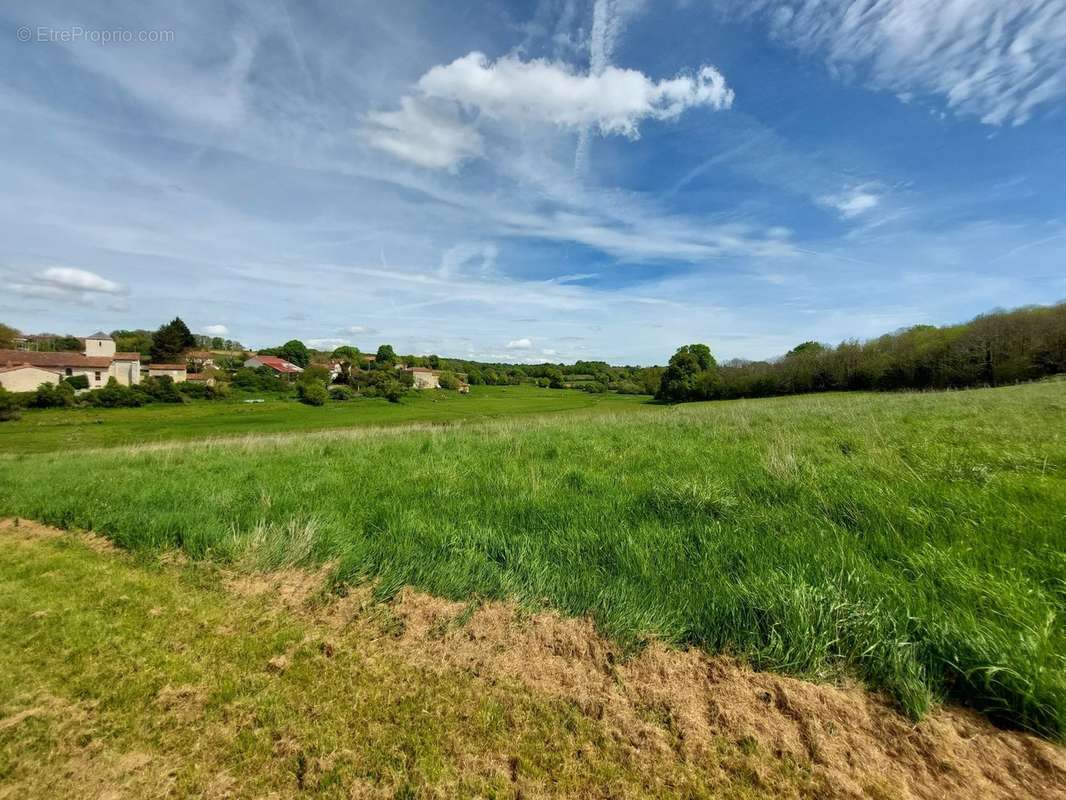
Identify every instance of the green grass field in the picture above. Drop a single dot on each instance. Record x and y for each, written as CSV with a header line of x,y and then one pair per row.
x,y
915,540
124,678
67,429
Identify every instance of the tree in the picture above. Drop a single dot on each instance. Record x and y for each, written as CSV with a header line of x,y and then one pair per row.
x,y
348,353
135,341
294,351
691,372
9,407
313,394
8,335
386,356
171,340
68,344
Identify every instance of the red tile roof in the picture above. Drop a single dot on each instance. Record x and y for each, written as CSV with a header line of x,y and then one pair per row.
x,y
11,357
277,364
14,367
127,356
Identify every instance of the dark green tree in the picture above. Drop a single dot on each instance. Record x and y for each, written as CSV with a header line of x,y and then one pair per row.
x,y
386,356
171,340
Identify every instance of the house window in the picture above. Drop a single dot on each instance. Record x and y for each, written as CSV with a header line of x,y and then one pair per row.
x,y
97,376
69,371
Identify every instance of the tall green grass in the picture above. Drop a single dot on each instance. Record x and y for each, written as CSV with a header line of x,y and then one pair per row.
x,y
916,540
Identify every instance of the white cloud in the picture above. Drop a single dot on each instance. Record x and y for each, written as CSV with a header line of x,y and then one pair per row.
x,y
482,255
853,202
432,137
327,343
428,130
615,100
216,330
72,279
525,343
998,60
71,285
356,330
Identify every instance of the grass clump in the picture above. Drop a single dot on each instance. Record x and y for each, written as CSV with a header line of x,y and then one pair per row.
x,y
915,540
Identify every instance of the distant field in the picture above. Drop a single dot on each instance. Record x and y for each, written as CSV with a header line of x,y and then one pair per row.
x,y
69,429
915,540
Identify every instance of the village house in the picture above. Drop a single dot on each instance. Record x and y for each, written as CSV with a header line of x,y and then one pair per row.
x,y
279,365
98,363
200,360
176,372
424,377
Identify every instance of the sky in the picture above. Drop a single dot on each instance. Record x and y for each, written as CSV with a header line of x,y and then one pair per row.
x,y
528,181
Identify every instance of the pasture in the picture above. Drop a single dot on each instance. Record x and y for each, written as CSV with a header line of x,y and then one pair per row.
x,y
915,541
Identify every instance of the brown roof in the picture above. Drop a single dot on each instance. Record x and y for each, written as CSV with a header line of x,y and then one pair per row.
x,y
127,356
11,357
27,366
165,366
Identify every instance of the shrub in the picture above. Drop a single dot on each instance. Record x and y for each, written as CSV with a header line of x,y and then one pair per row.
x,y
313,394
115,395
9,406
77,381
262,379
51,395
448,380
159,390
341,392
203,391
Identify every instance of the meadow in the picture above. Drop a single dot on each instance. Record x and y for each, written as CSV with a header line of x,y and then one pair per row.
x,y
916,541
76,428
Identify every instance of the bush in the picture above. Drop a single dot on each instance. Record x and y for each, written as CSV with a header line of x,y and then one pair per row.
x,y
262,379
77,381
159,390
448,380
341,392
203,391
51,395
115,395
9,406
313,394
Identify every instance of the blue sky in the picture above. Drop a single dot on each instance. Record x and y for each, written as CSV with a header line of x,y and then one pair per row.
x,y
532,181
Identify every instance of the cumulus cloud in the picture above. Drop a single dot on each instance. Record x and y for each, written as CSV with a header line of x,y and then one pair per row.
x,y
615,100
998,60
216,330
428,129
852,202
525,343
356,330
71,285
427,135
69,278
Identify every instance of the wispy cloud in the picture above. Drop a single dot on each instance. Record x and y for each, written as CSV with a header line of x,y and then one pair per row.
x,y
998,60
852,202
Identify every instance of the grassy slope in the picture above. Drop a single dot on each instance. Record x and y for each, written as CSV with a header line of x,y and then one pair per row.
x,y
917,540
69,429
124,678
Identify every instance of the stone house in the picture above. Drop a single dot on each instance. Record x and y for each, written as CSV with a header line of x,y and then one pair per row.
x,y
98,363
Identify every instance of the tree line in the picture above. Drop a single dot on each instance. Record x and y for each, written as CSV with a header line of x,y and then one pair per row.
x,y
1001,347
